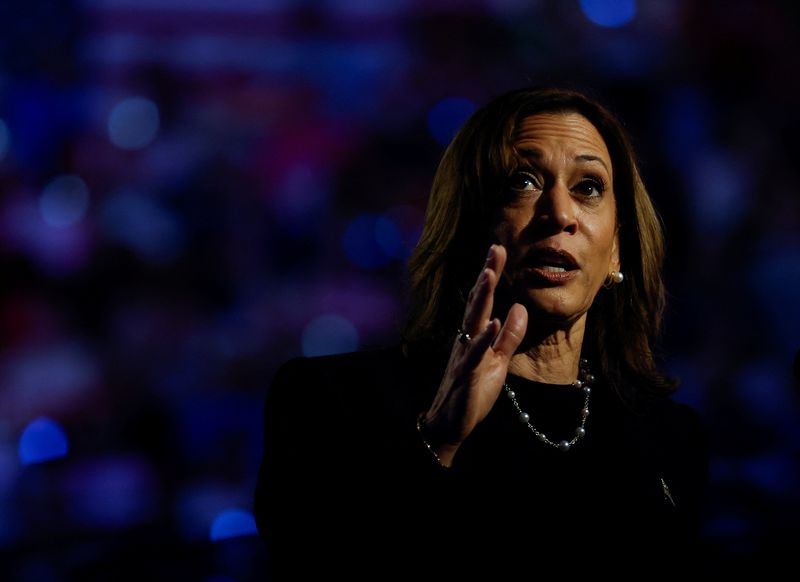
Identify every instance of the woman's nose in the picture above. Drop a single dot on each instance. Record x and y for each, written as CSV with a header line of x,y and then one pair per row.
x,y
555,209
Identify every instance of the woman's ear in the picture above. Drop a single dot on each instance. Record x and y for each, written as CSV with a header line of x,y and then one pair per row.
x,y
615,261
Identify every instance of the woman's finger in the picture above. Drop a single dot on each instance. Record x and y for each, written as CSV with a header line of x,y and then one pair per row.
x,y
481,297
481,343
513,331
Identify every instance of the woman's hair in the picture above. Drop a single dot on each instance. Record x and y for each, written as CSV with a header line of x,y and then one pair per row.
x,y
624,321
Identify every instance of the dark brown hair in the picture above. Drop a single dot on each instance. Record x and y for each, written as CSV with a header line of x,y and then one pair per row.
x,y
623,323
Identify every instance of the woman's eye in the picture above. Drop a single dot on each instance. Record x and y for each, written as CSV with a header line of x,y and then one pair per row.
x,y
522,181
590,188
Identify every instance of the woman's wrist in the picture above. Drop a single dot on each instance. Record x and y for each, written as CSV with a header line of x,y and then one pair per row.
x,y
443,455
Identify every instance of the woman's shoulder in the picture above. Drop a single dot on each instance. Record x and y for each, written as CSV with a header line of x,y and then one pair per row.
x,y
366,373
393,361
662,424
655,404
675,418
675,432
376,388
347,362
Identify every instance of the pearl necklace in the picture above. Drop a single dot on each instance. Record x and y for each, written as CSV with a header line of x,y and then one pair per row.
x,y
584,383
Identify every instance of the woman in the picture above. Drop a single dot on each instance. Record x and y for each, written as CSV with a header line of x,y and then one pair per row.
x,y
523,424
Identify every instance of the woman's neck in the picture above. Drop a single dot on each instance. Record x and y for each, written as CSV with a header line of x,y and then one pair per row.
x,y
553,358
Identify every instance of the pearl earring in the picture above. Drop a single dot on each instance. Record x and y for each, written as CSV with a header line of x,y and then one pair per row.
x,y
613,278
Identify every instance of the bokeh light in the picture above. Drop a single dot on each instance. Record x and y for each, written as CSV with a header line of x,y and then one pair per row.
x,y
388,236
64,201
140,223
609,13
60,377
301,198
775,284
447,116
719,186
42,440
233,523
5,139
38,570
685,125
371,241
111,492
329,334
371,8
10,469
133,123
398,230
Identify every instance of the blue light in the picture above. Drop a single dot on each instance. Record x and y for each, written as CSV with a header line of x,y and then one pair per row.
x,y
233,523
447,116
329,334
727,525
133,123
5,139
361,243
609,13
388,236
398,231
370,8
301,198
110,492
685,124
64,201
42,440
139,222
774,473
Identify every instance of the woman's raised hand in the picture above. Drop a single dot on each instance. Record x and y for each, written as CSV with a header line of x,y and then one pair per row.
x,y
478,363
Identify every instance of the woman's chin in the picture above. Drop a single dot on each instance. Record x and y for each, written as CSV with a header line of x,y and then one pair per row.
x,y
547,309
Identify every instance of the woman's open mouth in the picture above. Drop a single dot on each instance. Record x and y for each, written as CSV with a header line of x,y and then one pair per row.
x,y
549,265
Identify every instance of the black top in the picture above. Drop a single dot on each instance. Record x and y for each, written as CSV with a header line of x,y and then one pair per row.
x,y
347,487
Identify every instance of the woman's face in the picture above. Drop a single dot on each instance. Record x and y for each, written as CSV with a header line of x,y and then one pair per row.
x,y
558,222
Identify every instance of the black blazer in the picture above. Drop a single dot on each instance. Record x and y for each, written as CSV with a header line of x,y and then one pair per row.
x,y
347,487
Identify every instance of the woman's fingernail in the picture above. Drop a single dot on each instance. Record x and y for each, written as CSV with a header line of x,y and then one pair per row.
x,y
489,254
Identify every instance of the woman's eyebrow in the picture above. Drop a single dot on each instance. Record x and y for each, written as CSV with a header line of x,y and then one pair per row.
x,y
528,153
591,158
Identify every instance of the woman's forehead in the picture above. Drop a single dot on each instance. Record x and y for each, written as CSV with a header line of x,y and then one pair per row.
x,y
567,130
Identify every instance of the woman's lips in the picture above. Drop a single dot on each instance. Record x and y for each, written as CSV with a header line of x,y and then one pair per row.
x,y
550,266
548,274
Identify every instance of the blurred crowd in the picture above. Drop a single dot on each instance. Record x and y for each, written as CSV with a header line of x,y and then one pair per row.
x,y
192,191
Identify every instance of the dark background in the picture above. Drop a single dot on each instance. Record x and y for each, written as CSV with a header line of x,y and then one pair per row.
x,y
192,191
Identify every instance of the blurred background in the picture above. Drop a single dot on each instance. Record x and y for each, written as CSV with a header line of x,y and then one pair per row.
x,y
192,191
